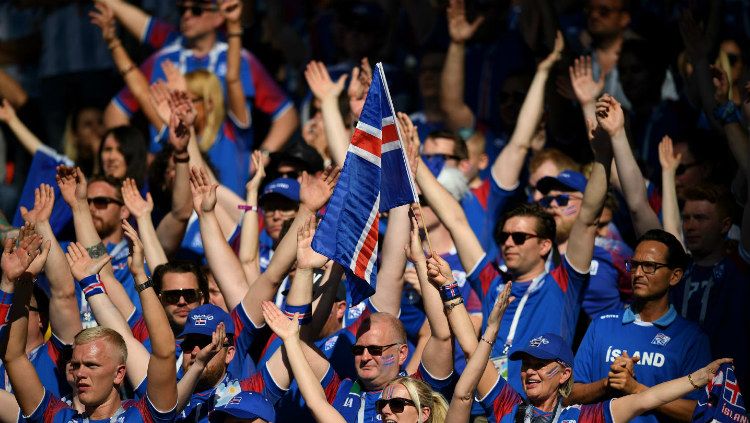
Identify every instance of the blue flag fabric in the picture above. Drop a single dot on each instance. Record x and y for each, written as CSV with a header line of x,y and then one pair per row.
x,y
375,177
721,400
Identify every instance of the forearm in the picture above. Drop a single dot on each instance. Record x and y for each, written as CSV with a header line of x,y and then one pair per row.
x,y
336,133
117,294
237,101
633,186
28,140
433,305
588,393
182,199
281,129
309,384
391,273
135,81
249,238
670,208
114,117
64,315
11,90
186,385
132,18
169,234
739,144
222,260
162,339
151,246
458,114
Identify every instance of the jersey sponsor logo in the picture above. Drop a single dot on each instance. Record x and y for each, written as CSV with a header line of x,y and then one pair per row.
x,y
609,316
330,342
349,402
201,319
653,359
536,342
594,267
660,339
569,421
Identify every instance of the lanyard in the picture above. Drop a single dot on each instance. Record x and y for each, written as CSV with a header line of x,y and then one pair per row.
x,y
555,414
534,286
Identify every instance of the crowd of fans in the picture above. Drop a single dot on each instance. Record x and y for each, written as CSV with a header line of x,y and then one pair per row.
x,y
580,250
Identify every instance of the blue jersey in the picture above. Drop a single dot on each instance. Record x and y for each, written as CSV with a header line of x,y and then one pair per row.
x,y
53,410
551,306
502,402
202,403
669,347
602,295
43,171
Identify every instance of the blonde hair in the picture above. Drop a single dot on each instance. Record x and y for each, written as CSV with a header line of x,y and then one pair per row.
x,y
424,396
566,388
110,336
206,85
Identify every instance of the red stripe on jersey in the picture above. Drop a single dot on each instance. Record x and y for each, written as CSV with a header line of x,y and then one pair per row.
x,y
486,276
593,413
560,275
253,383
332,388
504,403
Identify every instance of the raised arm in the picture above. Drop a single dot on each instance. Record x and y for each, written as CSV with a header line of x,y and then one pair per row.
x,y
584,87
509,163
132,18
359,85
670,208
28,140
186,385
232,12
307,380
387,298
300,296
17,268
162,373
626,408
328,92
249,238
85,270
12,90
580,248
631,179
141,209
458,113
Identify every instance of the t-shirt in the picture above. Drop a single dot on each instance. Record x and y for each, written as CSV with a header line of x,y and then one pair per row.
x,y
53,410
602,294
201,403
502,402
716,298
551,306
669,347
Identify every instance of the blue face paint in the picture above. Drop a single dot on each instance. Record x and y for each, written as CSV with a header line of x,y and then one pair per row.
x,y
555,370
389,360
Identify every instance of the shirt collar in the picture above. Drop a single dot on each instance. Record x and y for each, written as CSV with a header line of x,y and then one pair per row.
x,y
629,317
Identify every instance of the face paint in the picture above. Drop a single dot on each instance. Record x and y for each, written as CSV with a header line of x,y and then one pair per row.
x,y
571,209
388,392
555,370
389,360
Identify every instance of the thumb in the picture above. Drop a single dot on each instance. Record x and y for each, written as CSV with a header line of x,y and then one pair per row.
x,y
478,21
342,79
102,261
24,210
635,359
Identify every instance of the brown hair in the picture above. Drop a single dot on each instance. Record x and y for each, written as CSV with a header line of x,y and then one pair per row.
x,y
717,195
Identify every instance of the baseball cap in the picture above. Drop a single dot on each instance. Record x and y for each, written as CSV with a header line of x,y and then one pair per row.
x,y
245,405
567,180
300,155
546,347
205,319
285,187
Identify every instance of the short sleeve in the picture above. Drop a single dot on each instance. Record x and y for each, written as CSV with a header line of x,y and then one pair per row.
x,y
150,413
263,382
569,278
596,413
244,328
47,409
500,400
482,276
444,386
157,33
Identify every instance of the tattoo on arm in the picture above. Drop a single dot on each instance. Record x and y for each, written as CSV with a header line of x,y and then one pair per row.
x,y
97,250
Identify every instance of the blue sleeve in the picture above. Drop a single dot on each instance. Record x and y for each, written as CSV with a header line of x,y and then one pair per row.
x,y
601,294
498,200
584,359
146,407
244,329
140,390
444,386
48,409
697,355
271,390
501,400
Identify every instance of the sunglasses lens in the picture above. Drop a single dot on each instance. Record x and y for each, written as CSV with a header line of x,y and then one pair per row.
x,y
562,200
518,238
173,296
358,349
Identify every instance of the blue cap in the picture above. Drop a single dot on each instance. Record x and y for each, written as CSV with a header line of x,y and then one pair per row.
x,y
205,319
285,187
567,180
546,347
245,405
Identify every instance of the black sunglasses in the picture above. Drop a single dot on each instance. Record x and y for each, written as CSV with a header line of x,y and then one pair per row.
x,y
195,9
395,404
649,267
172,296
103,202
374,350
519,238
192,341
561,200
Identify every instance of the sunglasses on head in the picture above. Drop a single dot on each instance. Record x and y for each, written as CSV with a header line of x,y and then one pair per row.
x,y
374,350
395,404
195,9
519,238
103,202
173,296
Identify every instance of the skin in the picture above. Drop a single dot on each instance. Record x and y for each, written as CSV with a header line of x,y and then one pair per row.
x,y
89,130
333,324
371,370
107,220
547,168
704,228
565,216
96,368
603,225
113,161
694,175
177,313
524,261
409,414
541,379
214,370
652,287
275,212
214,293
198,27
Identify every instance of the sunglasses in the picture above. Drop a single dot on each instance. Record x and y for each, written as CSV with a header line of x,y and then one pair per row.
x,y
561,200
684,167
195,9
442,156
374,350
649,267
519,238
395,404
103,202
173,296
192,341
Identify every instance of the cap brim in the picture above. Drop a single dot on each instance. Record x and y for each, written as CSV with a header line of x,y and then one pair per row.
x,y
518,355
549,183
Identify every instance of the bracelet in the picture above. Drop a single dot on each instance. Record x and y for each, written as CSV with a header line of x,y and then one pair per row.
x,y
246,207
148,284
690,379
128,70
489,342
451,306
92,285
234,34
305,312
449,292
180,159
727,113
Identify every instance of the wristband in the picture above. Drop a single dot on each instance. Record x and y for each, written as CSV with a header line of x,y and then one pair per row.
x,y
451,306
92,285
181,160
489,342
148,284
449,292
246,207
727,113
305,312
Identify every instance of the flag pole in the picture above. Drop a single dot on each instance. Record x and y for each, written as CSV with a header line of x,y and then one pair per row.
x,y
424,228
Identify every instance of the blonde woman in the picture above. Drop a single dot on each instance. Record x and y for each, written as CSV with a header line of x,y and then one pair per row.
x,y
410,400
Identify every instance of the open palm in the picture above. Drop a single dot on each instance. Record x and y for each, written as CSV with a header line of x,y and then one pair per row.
x,y
315,192
307,258
44,199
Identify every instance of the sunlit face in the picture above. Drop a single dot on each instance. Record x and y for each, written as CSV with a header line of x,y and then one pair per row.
x,y
196,26
704,228
215,368
113,161
276,210
546,168
97,370
524,258
89,129
376,371
409,414
177,312
691,171
646,286
566,215
542,378
107,217
214,293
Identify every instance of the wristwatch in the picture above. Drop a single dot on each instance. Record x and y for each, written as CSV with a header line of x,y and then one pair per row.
x,y
148,284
